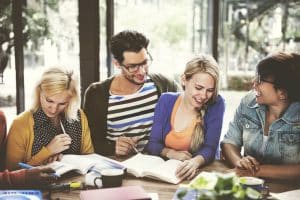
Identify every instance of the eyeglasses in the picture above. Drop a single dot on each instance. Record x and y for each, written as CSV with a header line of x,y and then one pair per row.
x,y
132,68
258,80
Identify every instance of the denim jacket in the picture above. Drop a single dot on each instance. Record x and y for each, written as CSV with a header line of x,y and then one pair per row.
x,y
283,143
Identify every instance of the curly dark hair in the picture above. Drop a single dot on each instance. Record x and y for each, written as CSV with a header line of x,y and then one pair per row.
x,y
284,71
127,40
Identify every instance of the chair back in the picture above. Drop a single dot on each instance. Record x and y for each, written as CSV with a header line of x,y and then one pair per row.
x,y
3,130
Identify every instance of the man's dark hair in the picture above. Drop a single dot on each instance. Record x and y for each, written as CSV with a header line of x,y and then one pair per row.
x,y
283,69
127,40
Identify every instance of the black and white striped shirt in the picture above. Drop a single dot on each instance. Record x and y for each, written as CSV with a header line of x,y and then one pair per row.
x,y
132,115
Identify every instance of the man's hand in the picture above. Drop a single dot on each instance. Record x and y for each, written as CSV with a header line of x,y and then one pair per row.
x,y
124,145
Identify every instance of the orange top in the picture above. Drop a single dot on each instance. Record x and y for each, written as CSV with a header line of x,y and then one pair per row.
x,y
179,140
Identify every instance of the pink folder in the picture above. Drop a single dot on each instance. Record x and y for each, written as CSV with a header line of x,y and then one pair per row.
x,y
119,193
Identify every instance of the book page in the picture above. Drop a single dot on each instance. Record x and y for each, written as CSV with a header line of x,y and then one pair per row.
x,y
139,163
60,168
102,162
79,162
165,171
84,163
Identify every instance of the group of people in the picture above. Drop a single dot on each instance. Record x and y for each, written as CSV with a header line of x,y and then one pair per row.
x,y
136,111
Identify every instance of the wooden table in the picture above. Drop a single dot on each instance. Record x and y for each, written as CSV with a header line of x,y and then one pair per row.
x,y
165,190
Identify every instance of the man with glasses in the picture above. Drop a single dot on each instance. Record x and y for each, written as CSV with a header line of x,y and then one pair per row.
x,y
120,109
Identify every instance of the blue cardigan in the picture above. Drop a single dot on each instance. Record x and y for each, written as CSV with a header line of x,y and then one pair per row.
x,y
213,120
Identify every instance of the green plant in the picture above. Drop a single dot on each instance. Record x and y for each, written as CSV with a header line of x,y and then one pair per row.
x,y
35,27
217,186
240,83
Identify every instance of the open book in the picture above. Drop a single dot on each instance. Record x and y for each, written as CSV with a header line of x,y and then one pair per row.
x,y
84,163
155,167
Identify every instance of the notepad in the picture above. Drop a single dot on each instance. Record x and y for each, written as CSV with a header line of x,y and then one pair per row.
x,y
154,167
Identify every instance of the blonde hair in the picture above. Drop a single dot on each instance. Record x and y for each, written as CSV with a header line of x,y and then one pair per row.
x,y
202,64
56,80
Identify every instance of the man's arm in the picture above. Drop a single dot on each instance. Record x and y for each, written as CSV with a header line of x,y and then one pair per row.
x,y
95,107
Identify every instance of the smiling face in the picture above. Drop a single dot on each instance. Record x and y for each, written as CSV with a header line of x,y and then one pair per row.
x,y
132,59
55,104
199,89
266,93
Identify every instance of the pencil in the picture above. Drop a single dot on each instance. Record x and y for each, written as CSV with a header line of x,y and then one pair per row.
x,y
135,149
62,128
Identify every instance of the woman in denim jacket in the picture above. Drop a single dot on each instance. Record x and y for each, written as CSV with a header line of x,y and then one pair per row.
x,y
267,122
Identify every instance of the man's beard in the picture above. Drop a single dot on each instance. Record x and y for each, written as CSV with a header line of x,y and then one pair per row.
x,y
134,82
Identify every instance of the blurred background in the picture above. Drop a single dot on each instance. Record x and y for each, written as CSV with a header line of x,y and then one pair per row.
x,y
75,34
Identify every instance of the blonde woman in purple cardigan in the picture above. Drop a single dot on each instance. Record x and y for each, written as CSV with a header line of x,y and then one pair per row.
x,y
187,125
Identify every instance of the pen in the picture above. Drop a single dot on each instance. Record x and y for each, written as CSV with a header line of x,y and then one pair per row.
x,y
133,147
26,166
62,127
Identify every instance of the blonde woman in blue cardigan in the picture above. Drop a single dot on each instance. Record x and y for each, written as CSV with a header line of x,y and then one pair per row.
x,y
187,125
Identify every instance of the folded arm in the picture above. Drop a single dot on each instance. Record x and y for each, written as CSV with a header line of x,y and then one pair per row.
x,y
286,171
246,167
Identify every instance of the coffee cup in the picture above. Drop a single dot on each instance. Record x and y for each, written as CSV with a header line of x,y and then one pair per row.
x,y
252,182
112,177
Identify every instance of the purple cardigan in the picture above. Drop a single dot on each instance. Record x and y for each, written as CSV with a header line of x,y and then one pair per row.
x,y
213,120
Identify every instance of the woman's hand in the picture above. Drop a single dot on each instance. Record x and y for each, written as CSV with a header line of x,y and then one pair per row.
x,y
244,172
59,143
56,157
178,155
188,169
39,175
247,163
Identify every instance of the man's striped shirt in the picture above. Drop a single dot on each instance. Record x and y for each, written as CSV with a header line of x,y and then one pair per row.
x,y
132,115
